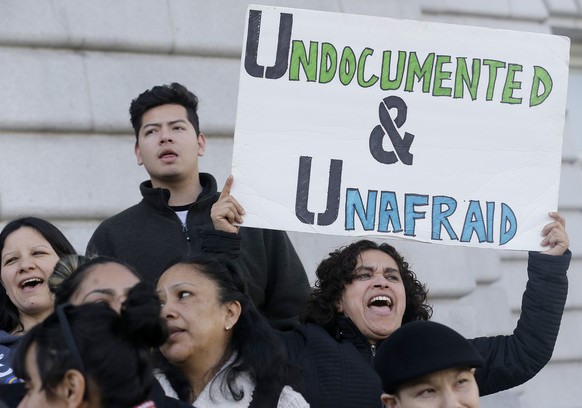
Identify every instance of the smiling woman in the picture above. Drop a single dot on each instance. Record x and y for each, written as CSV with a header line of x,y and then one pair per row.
x,y
30,247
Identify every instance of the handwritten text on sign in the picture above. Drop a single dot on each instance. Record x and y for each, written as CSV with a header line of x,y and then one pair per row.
x,y
360,125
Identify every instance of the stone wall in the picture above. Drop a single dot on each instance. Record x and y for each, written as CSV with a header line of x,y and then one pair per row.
x,y
69,68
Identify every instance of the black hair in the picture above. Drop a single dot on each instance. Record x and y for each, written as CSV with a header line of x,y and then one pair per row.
x,y
113,349
71,271
259,351
9,315
173,93
336,271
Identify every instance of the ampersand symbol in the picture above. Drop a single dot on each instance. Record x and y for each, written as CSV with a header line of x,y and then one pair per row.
x,y
390,127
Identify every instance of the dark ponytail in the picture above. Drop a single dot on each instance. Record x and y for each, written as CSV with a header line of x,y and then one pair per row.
x,y
140,317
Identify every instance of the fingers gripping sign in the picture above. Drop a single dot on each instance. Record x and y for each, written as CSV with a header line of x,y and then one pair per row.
x,y
555,236
226,213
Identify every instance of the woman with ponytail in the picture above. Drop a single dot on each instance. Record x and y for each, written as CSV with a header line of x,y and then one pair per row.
x,y
78,280
221,352
91,356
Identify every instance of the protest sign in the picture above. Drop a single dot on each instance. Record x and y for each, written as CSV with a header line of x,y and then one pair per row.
x,y
358,125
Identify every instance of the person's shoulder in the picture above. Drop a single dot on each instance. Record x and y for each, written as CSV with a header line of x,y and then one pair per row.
x,y
291,398
312,332
129,215
8,340
110,227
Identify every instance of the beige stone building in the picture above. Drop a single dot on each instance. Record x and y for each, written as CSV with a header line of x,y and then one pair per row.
x,y
69,68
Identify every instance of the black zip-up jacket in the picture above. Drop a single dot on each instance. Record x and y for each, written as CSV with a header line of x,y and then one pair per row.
x,y
337,366
150,236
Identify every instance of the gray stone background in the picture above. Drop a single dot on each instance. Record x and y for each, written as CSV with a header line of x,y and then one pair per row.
x,y
69,68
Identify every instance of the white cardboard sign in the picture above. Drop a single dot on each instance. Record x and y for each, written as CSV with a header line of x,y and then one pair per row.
x,y
357,125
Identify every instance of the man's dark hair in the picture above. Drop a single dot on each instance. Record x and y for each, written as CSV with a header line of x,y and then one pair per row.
x,y
174,93
336,271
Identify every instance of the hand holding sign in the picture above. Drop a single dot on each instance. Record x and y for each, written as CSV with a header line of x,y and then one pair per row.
x,y
555,236
227,212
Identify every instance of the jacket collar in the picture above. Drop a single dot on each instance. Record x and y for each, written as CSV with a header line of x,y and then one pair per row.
x,y
348,332
159,197
346,329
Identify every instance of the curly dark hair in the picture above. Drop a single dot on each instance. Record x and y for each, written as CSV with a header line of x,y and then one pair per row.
x,y
336,271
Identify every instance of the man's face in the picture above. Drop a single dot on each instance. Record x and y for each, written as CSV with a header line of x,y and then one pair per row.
x,y
168,146
454,387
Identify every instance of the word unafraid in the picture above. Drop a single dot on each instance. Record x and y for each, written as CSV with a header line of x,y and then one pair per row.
x,y
381,211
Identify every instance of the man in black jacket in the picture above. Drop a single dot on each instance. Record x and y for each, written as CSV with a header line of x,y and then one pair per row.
x,y
182,212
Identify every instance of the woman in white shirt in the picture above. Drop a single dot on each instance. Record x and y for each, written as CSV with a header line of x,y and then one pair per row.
x,y
221,351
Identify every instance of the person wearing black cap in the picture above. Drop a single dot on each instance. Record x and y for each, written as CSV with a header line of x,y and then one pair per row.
x,y
365,291
426,364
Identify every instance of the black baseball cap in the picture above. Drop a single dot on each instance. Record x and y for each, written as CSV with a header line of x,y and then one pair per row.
x,y
420,348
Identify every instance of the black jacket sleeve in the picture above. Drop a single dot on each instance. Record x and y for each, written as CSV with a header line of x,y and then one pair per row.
x,y
514,359
279,284
220,242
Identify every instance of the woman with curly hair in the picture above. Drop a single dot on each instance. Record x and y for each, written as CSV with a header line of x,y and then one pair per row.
x,y
346,267
366,291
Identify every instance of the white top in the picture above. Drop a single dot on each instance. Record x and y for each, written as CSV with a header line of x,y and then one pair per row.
x,y
182,216
213,396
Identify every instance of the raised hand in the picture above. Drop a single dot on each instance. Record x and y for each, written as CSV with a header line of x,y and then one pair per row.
x,y
227,212
555,236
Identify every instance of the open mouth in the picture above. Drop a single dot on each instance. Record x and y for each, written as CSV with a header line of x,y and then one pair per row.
x,y
380,301
168,154
31,283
